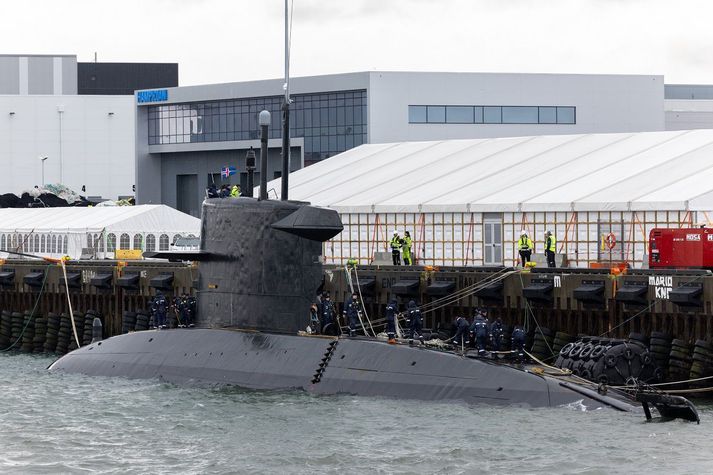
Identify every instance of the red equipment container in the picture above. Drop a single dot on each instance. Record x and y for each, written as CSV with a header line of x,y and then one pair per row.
x,y
686,248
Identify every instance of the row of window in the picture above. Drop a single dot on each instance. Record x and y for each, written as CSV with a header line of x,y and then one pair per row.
x,y
46,243
330,123
492,115
57,244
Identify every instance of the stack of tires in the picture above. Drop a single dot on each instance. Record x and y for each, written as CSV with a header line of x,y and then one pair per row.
x,y
702,365
40,334
79,327
543,343
561,339
17,325
128,321
29,334
5,330
64,334
638,339
680,360
88,326
142,321
52,333
660,349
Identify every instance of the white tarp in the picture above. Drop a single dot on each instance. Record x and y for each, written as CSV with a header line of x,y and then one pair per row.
x,y
586,172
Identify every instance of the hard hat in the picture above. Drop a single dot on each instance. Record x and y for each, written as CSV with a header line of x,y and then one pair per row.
x,y
523,233
395,231
548,232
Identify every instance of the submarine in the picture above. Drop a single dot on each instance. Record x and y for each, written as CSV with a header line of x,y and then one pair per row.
x,y
260,269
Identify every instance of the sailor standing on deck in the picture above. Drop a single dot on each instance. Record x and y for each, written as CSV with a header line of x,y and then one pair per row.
x,y
392,309
415,320
327,312
351,313
496,333
524,245
395,244
518,341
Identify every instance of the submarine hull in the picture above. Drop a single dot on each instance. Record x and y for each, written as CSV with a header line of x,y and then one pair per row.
x,y
321,365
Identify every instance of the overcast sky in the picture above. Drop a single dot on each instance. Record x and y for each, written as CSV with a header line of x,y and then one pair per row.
x,y
236,40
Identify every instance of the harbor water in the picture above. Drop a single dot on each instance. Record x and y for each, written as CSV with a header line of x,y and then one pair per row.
x,y
55,423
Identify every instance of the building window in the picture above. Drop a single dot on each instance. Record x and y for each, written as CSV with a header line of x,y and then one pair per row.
x,y
436,114
150,243
417,114
111,242
124,241
138,241
330,123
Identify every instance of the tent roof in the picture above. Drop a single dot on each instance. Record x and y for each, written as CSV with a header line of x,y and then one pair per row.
x,y
141,218
586,172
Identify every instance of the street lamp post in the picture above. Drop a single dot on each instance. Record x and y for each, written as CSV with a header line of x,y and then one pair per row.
x,y
43,159
264,120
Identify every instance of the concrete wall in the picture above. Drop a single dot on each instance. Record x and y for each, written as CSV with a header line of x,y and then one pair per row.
x,y
96,147
38,74
604,103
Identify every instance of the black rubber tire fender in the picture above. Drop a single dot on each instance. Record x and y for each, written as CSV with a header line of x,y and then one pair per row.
x,y
566,349
597,352
574,352
586,351
610,360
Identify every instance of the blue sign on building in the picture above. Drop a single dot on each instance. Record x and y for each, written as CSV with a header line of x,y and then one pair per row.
x,y
157,95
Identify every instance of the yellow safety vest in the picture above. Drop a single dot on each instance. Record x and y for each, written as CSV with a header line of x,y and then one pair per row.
x,y
406,246
395,243
525,244
552,244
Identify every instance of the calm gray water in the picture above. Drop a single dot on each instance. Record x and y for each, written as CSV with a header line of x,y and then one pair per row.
x,y
74,424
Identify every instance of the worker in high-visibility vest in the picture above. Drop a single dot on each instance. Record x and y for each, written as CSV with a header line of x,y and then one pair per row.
x,y
395,244
525,246
406,248
550,245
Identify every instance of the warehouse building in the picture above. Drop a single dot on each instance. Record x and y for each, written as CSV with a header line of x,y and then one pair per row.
x,y
186,135
465,202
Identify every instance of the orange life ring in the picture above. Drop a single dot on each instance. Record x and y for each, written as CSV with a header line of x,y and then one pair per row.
x,y
610,241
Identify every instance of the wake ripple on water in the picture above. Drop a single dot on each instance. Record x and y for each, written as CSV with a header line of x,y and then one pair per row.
x,y
53,423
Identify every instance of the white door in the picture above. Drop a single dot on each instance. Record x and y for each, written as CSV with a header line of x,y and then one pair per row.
x,y
493,242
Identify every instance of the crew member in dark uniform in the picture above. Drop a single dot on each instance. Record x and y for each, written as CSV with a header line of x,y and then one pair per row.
x,y
461,336
518,341
496,333
415,320
392,309
351,313
159,306
327,314
480,332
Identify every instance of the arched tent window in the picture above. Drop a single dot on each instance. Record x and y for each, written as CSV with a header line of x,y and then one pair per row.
x,y
64,245
36,246
110,242
99,240
150,243
90,241
14,241
176,237
53,247
138,242
191,235
163,242
2,242
124,241
43,243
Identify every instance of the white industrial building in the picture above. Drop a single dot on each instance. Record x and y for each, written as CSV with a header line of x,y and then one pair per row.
x,y
95,232
88,142
466,201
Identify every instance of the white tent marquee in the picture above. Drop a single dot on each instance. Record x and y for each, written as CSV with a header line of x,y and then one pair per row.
x,y
56,232
467,200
